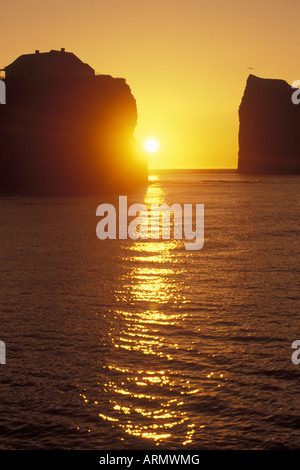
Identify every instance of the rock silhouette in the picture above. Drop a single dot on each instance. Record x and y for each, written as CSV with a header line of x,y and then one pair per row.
x,y
269,128
65,130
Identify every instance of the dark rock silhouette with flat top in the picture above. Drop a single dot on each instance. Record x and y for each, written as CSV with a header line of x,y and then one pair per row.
x,y
269,134
64,130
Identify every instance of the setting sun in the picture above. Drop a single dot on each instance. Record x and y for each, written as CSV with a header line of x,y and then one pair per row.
x,y
151,145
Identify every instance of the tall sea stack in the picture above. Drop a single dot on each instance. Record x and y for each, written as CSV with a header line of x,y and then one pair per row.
x,y
65,130
269,133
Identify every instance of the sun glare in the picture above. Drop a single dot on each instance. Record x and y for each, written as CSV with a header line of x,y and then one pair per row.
x,y
151,145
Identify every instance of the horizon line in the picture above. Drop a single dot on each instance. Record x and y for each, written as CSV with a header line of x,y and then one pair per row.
x,y
193,169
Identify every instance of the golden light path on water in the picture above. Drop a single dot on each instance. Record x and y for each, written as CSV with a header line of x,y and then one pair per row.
x,y
154,377
148,400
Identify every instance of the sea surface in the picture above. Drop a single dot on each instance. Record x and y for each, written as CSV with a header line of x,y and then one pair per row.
x,y
142,344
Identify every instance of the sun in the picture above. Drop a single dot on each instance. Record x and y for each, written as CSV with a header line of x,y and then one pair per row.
x,y
151,145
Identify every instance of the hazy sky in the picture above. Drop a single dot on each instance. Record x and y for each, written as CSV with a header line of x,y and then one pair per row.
x,y
185,60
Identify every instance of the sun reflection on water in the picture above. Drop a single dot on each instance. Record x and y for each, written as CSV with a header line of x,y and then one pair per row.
x,y
146,397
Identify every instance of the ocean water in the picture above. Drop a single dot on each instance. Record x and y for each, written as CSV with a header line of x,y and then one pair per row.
x,y
123,344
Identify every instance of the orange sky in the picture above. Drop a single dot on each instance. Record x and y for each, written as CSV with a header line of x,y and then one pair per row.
x,y
185,60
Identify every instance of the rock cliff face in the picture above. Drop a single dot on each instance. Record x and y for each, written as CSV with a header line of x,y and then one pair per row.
x,y
69,136
269,134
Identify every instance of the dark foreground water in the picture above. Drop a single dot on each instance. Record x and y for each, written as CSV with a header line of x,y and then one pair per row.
x,y
122,344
